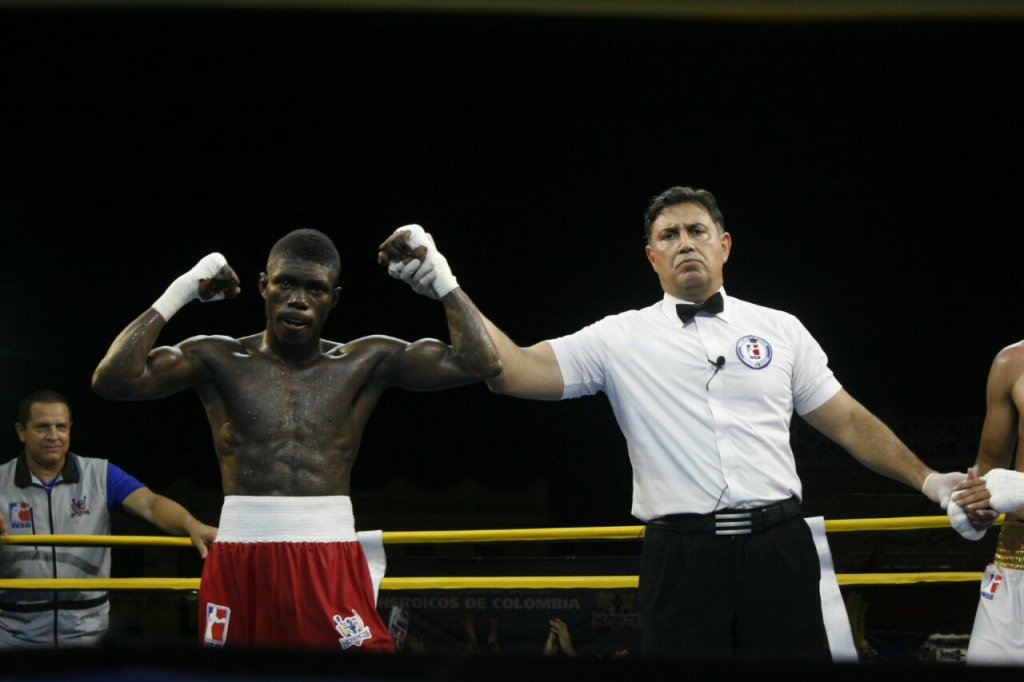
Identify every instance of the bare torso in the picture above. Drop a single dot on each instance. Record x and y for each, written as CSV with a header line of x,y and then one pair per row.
x,y
287,409
1017,394
282,428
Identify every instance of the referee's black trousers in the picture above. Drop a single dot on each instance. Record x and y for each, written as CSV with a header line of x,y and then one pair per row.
x,y
715,597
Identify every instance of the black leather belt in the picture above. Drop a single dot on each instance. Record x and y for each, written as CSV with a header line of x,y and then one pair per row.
x,y
733,521
37,607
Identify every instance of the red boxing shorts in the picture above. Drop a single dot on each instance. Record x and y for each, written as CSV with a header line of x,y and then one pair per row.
x,y
289,572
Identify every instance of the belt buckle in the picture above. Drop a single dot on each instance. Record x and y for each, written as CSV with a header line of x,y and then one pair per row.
x,y
737,523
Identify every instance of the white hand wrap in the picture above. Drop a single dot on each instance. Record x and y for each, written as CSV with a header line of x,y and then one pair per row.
x,y
186,287
961,524
938,487
1006,489
432,277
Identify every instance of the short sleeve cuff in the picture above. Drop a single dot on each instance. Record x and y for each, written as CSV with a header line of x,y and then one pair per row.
x,y
818,397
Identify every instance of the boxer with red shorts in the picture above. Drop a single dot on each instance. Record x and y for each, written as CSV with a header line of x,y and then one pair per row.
x,y
287,410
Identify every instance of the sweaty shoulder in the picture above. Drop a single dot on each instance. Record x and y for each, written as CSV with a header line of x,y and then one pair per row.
x,y
214,345
378,344
1010,360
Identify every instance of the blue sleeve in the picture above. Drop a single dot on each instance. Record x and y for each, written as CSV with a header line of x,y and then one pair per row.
x,y
119,485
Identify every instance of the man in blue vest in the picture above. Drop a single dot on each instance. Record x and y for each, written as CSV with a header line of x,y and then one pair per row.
x,y
49,490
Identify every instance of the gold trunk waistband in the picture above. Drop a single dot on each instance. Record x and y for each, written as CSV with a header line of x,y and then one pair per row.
x,y
1010,548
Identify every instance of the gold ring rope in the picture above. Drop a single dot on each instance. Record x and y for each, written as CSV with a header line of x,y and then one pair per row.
x,y
513,535
564,582
472,582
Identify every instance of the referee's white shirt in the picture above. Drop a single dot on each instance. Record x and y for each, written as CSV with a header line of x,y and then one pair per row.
x,y
701,440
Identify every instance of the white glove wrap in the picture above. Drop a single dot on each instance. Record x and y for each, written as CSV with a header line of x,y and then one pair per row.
x,y
432,277
961,524
938,487
186,287
1006,489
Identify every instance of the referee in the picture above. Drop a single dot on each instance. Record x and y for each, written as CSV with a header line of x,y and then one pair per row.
x,y
703,386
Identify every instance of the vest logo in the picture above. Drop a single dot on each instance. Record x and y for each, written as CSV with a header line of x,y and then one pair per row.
x,y
754,352
989,591
79,507
217,619
352,630
20,516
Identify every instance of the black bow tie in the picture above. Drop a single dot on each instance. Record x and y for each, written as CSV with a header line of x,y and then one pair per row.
x,y
713,305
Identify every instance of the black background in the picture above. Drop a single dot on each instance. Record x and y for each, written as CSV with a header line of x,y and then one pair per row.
x,y
868,172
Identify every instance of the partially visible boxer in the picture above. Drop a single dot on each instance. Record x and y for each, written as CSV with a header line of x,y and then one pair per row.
x,y
998,633
287,410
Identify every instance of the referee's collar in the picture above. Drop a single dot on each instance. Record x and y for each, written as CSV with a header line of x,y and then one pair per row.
x,y
669,302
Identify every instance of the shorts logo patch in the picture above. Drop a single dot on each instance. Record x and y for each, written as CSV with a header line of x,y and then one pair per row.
x,y
754,352
19,515
989,591
217,619
352,630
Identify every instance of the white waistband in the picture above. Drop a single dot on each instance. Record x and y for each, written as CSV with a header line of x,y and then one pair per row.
x,y
286,519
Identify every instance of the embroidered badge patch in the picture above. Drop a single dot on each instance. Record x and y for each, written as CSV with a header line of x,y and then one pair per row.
x,y
989,591
352,630
754,352
19,515
79,507
217,619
